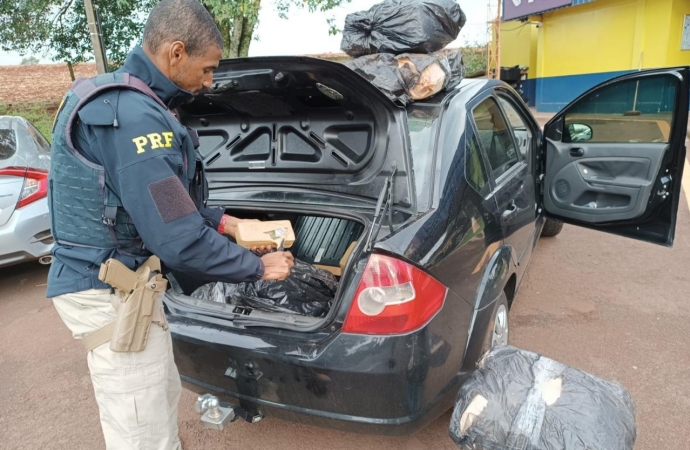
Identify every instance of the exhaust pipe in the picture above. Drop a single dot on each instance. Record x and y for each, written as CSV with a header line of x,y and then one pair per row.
x,y
45,260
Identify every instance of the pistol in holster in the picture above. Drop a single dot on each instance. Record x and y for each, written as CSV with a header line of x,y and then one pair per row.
x,y
140,305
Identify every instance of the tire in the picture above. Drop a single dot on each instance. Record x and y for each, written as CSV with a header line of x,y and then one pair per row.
x,y
499,321
552,228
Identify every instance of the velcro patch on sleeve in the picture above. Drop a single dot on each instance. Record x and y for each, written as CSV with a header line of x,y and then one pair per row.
x,y
171,199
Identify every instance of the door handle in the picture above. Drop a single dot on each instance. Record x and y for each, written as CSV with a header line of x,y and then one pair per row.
x,y
510,211
577,152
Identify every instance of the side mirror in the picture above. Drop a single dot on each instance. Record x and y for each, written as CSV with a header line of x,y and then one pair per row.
x,y
579,132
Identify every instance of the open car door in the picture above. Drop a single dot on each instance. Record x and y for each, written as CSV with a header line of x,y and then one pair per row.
x,y
614,157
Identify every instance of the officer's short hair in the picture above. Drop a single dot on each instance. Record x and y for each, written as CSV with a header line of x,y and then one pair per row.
x,y
187,21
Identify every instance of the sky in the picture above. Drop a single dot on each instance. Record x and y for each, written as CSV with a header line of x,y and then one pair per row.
x,y
307,33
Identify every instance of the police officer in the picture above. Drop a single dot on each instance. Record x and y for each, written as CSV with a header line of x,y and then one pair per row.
x,y
125,184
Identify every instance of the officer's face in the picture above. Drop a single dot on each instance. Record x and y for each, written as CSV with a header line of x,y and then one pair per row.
x,y
193,73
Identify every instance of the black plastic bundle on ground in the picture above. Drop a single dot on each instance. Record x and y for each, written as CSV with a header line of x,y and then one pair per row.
x,y
519,400
402,26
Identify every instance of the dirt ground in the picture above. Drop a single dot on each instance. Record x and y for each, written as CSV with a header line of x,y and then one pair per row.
x,y
613,307
39,83
610,306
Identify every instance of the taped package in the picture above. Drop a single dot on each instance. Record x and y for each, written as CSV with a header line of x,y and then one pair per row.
x,y
519,400
411,76
257,234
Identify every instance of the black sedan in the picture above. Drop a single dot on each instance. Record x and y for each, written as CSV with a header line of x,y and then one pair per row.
x,y
427,215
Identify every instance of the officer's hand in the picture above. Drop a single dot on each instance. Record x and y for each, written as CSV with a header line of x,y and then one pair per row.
x,y
231,224
277,265
263,249
231,228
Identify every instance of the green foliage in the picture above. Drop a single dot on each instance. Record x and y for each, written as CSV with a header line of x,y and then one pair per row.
x,y
40,114
475,58
283,7
238,19
37,26
29,60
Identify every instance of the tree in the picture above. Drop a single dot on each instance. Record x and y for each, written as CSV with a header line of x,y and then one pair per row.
x,y
36,26
475,58
29,60
237,19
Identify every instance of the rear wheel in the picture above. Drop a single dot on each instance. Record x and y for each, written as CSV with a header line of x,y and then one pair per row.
x,y
497,332
552,228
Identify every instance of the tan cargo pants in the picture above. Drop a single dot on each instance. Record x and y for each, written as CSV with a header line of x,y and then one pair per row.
x,y
138,392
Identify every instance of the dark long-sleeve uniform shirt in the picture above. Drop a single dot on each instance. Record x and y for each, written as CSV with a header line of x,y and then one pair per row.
x,y
146,167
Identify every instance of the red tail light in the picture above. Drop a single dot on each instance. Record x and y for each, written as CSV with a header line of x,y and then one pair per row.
x,y
393,297
35,183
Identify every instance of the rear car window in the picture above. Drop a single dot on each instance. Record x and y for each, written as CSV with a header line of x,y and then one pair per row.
x,y
422,122
494,137
521,131
474,168
8,144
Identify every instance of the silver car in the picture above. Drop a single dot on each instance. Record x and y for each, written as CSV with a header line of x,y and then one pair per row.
x,y
24,220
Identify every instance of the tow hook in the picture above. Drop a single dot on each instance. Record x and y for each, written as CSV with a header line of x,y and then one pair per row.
x,y
217,416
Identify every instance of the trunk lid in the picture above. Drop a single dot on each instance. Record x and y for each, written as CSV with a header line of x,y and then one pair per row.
x,y
10,188
10,185
281,123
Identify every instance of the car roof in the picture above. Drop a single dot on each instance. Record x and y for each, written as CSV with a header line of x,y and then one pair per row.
x,y
468,87
10,121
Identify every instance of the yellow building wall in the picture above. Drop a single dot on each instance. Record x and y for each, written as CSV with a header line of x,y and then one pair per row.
x,y
574,48
657,18
519,45
612,36
594,37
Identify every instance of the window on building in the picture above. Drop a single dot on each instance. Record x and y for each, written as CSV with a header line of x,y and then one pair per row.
x,y
628,111
494,137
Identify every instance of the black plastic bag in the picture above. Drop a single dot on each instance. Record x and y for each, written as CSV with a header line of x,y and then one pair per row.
x,y
402,26
217,292
519,400
409,76
308,291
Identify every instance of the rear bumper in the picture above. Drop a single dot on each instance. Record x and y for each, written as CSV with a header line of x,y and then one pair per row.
x,y
367,384
26,236
399,426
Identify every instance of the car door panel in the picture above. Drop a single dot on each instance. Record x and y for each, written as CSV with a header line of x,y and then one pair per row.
x,y
506,140
600,183
515,197
615,156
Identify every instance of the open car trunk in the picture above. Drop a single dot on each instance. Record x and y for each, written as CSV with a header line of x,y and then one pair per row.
x,y
280,123
276,128
324,249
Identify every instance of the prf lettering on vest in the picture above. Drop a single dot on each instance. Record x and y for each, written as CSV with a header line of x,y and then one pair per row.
x,y
154,141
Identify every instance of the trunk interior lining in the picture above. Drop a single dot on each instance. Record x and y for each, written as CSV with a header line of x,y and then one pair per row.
x,y
320,241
